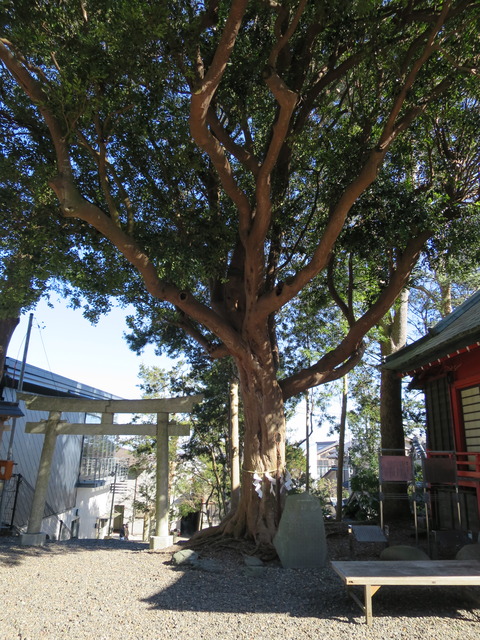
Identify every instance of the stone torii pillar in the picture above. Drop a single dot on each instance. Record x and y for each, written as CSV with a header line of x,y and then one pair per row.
x,y
107,408
34,536
162,537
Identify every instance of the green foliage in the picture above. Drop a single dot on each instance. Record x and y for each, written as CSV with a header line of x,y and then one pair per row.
x,y
40,251
325,490
145,501
32,250
209,442
364,417
190,488
364,501
296,464
364,424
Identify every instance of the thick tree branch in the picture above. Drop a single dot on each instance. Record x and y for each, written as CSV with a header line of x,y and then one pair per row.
x,y
200,103
274,300
398,281
34,91
211,349
350,347
75,206
287,100
325,370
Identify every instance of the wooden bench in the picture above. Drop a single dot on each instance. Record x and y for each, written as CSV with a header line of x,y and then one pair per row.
x,y
371,575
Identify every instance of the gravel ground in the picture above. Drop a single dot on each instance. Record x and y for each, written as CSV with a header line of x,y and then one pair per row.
x,y
104,590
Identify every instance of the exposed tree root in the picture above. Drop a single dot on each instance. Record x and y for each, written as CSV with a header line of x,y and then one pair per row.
x,y
216,538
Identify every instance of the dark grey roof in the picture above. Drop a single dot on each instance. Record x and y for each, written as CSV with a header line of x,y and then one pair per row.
x,y
38,380
326,444
458,330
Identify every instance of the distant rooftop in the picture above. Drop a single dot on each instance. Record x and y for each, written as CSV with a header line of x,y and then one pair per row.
x,y
326,444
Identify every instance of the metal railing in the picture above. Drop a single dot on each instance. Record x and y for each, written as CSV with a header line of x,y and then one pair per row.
x,y
18,504
98,469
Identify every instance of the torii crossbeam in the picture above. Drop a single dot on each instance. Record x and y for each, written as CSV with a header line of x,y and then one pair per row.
x,y
55,426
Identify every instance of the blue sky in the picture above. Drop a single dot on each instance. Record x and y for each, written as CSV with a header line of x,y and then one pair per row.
x,y
63,342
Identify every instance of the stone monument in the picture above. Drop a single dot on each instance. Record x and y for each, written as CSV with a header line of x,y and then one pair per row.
x,y
301,541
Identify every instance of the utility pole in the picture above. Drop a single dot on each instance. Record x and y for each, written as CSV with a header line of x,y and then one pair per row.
x,y
110,530
20,385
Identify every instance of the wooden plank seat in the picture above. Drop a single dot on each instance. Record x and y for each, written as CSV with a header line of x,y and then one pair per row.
x,y
371,575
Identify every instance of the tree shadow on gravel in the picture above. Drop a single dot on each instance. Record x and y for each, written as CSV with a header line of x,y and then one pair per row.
x,y
297,593
315,593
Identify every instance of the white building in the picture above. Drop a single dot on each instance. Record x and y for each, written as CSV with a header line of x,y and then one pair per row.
x,y
80,499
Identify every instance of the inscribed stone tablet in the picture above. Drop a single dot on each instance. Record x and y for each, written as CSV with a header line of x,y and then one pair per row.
x,y
300,540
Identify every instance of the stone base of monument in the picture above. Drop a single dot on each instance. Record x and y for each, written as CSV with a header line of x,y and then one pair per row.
x,y
161,542
33,539
300,541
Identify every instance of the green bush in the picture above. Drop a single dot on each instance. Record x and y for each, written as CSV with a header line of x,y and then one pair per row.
x,y
364,502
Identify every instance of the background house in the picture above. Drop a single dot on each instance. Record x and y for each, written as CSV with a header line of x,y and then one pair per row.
x,y
445,364
327,462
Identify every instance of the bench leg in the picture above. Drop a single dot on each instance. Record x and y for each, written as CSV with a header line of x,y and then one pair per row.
x,y
369,591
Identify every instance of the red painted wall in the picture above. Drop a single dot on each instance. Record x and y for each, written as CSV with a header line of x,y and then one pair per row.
x,y
467,368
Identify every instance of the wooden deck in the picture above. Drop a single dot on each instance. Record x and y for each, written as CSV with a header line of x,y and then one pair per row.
x,y
371,575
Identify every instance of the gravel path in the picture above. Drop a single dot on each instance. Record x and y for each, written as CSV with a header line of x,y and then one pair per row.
x,y
106,590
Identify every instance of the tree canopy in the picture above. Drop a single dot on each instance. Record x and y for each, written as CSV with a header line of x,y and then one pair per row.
x,y
40,251
234,153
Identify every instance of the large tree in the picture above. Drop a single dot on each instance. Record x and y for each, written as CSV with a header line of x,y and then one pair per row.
x,y
223,147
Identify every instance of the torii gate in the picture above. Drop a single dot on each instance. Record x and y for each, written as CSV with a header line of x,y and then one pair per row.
x,y
54,426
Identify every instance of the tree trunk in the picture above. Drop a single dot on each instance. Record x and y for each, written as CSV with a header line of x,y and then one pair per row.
x,y
446,298
262,497
7,327
146,527
392,434
391,419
